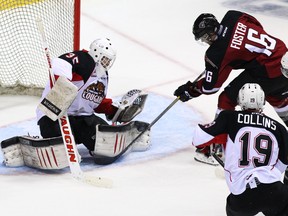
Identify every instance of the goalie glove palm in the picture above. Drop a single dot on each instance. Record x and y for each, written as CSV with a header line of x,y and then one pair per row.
x,y
131,104
187,91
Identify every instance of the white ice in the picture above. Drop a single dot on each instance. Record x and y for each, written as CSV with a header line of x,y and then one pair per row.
x,y
156,53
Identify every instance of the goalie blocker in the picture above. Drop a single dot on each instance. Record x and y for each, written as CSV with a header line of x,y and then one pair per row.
x,y
58,99
50,153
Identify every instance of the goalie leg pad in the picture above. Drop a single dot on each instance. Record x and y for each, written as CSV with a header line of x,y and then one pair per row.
x,y
59,98
39,155
47,154
112,140
143,142
12,152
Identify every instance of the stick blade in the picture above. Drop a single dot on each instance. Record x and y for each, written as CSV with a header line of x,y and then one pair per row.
x,y
101,160
95,181
219,173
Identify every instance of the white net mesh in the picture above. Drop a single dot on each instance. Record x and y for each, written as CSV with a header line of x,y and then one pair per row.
x,y
23,65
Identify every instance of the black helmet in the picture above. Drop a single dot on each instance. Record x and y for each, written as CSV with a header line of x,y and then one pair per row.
x,y
205,23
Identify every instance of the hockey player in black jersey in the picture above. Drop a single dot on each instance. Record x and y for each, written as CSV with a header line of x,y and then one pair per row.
x,y
238,41
256,155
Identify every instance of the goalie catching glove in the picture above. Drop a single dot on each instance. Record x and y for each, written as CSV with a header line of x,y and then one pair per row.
x,y
130,105
187,91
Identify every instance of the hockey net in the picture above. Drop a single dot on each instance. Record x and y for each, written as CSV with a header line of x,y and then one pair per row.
x,y
23,65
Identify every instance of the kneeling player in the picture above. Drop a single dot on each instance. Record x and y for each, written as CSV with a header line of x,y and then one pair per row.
x,y
80,91
109,141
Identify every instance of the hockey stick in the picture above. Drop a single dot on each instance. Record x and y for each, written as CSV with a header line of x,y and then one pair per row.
x,y
219,172
67,135
104,160
218,159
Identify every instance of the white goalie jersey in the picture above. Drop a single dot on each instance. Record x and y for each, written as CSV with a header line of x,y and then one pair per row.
x,y
89,79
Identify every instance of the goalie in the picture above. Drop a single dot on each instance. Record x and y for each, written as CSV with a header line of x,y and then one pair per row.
x,y
80,90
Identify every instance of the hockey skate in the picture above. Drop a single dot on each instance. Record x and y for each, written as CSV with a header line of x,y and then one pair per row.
x,y
204,155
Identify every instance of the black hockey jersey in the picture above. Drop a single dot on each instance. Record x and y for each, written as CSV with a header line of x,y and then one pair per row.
x,y
242,44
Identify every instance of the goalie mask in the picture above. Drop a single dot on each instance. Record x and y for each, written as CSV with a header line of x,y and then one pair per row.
x,y
103,52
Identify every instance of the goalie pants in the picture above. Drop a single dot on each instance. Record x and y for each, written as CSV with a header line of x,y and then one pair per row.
x,y
270,199
83,128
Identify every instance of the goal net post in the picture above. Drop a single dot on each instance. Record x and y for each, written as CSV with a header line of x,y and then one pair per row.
x,y
23,65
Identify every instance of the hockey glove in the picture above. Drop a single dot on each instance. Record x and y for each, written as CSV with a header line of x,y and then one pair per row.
x,y
187,91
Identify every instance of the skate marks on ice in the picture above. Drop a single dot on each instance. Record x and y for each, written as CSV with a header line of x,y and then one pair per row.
x,y
171,133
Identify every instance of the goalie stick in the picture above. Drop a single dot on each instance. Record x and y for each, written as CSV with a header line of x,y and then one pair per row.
x,y
68,138
104,160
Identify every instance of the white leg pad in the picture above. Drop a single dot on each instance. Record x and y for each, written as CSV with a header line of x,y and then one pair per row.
x,y
51,157
109,144
142,143
13,156
112,140
38,153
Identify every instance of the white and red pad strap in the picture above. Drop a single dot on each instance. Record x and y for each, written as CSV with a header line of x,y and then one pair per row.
x,y
112,140
59,98
47,154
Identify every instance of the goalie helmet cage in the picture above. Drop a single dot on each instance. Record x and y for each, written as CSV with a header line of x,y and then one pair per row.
x,y
23,65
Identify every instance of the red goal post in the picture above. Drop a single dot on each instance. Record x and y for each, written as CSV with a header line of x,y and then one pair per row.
x,y
23,65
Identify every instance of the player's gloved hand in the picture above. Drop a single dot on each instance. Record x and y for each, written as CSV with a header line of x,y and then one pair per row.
x,y
187,91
